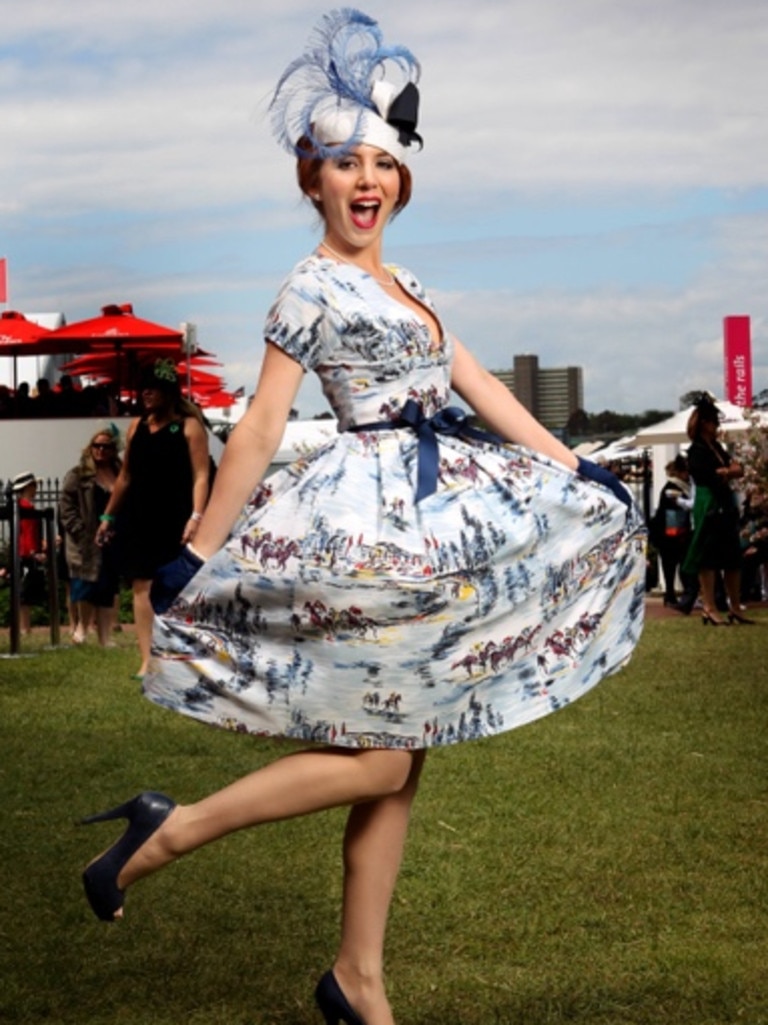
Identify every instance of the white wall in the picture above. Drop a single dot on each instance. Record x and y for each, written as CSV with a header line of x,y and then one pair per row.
x,y
48,448
51,447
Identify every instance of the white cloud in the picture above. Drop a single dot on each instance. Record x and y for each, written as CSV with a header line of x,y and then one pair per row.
x,y
585,94
137,159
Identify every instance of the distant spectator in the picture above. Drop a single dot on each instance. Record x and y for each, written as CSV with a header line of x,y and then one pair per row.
x,y
754,539
44,401
31,549
715,545
93,569
161,491
672,533
95,400
67,399
23,404
6,402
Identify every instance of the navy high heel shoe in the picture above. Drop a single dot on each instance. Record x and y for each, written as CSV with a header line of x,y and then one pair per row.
x,y
145,813
333,1005
734,617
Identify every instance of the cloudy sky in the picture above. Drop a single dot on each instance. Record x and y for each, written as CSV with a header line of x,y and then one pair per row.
x,y
593,187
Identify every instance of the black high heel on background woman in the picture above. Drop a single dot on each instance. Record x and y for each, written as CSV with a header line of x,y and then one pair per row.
x,y
333,1005
734,617
145,813
709,620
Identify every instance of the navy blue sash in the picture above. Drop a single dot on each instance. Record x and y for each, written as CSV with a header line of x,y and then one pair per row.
x,y
450,420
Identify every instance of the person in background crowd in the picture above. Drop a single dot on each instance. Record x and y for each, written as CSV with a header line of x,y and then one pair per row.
x,y
160,492
44,401
93,569
31,547
672,533
67,399
715,543
754,539
23,405
6,401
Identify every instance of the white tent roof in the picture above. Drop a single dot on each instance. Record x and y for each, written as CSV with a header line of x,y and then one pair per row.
x,y
622,448
586,448
672,431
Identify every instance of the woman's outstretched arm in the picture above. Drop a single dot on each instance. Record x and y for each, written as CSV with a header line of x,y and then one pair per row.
x,y
498,408
249,449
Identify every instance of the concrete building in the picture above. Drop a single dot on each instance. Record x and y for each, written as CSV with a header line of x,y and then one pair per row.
x,y
552,394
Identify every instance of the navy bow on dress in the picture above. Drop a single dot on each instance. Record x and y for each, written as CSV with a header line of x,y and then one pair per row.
x,y
450,420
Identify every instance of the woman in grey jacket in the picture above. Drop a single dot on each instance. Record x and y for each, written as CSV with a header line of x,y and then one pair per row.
x,y
93,570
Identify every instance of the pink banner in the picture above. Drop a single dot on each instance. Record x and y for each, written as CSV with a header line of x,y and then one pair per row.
x,y
737,350
3,280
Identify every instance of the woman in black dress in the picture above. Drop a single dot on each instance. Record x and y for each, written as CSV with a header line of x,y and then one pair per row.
x,y
715,545
161,490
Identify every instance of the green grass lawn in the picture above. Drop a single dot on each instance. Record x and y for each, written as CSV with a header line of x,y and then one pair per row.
x,y
606,866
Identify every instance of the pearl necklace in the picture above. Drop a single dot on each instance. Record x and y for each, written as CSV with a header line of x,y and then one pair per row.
x,y
388,282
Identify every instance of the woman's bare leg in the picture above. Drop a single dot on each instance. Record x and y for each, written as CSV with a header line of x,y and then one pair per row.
x,y
84,621
732,584
105,618
143,617
373,851
295,785
707,587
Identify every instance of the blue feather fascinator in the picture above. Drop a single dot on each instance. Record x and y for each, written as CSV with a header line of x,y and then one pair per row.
x,y
348,88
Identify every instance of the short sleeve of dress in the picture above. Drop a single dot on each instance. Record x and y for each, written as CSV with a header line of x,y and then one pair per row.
x,y
297,322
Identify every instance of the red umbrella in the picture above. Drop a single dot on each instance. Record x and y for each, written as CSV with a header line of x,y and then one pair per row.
x,y
120,369
196,361
108,366
203,387
201,379
15,330
105,364
118,331
215,400
117,328
22,337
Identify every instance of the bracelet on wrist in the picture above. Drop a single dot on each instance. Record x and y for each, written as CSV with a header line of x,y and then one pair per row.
x,y
196,516
107,518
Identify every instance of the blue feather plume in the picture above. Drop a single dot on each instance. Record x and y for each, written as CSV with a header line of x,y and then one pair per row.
x,y
343,58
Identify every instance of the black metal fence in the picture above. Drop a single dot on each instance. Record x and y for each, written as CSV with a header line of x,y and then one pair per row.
x,y
11,516
638,480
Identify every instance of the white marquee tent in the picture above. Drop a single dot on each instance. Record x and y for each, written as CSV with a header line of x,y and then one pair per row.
x,y
665,438
672,431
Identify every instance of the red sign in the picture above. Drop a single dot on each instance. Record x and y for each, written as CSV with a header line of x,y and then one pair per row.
x,y
737,350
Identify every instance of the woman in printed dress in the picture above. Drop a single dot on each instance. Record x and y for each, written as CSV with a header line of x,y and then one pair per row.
x,y
415,581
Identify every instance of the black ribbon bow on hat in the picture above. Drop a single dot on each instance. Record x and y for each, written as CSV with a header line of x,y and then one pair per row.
x,y
404,115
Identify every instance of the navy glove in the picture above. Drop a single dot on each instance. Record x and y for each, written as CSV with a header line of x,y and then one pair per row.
x,y
599,474
171,579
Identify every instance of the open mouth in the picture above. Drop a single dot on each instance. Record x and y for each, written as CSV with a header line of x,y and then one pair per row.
x,y
365,213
